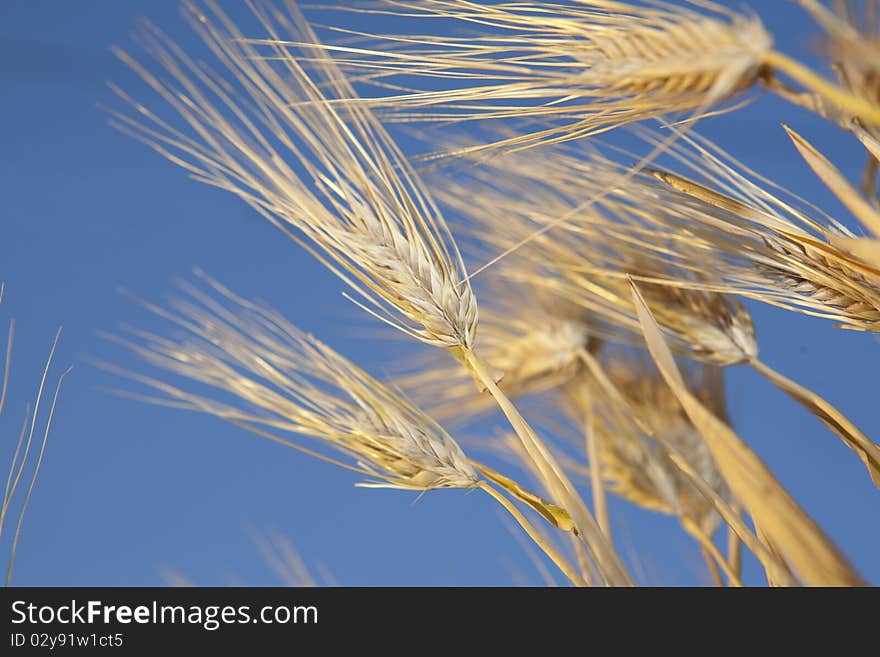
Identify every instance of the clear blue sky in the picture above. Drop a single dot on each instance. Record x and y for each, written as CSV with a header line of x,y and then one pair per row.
x,y
128,491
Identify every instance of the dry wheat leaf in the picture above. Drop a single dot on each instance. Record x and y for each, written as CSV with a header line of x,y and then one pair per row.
x,y
555,515
835,181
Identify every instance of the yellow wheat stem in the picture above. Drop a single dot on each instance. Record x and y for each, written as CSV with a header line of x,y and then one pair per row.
x,y
709,547
535,535
734,551
851,435
560,486
860,107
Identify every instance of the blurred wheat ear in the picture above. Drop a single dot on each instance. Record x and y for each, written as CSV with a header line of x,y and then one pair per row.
x,y
631,420
815,558
688,256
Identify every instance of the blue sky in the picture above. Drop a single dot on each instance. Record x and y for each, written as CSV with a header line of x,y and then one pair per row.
x,y
129,492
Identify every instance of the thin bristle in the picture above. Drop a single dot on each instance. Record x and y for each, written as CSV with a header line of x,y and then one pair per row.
x,y
26,444
589,65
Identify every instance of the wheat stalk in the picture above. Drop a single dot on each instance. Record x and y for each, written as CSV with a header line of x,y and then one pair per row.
x,y
25,444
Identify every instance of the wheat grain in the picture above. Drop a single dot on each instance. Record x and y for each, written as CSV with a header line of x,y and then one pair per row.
x,y
532,340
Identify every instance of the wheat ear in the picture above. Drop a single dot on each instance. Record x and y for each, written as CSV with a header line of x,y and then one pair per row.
x,y
592,65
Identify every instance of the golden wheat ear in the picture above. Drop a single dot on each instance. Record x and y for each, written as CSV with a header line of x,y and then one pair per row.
x,y
265,130
270,378
277,378
632,424
588,67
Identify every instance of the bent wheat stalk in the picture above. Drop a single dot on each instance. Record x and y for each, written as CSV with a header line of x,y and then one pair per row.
x,y
539,540
560,486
